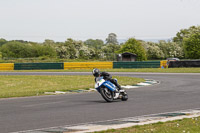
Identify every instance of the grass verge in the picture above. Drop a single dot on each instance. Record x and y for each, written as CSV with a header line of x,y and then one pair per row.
x,y
187,125
20,86
154,70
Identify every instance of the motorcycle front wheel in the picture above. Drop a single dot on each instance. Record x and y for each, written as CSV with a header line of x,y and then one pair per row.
x,y
106,94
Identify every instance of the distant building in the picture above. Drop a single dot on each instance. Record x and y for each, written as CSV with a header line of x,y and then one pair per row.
x,y
127,57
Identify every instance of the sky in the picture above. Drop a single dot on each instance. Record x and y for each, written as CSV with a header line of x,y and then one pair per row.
x,y
37,20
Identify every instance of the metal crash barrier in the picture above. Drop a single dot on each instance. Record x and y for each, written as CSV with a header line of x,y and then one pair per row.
x,y
6,66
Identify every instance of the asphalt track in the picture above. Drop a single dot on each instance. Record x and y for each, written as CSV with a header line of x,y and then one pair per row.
x,y
175,92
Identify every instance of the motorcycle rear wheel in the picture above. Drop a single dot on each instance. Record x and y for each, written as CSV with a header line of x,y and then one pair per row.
x,y
124,96
107,94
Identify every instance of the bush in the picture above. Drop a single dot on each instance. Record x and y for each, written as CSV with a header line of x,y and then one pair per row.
x,y
192,46
135,47
15,49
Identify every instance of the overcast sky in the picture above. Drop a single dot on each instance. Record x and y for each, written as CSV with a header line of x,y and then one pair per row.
x,y
36,20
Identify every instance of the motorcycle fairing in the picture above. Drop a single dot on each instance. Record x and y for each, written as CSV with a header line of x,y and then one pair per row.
x,y
108,85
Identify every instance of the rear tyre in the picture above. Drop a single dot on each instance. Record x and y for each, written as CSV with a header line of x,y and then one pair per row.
x,y
106,94
124,96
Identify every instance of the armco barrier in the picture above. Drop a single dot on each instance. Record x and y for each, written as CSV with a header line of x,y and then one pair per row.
x,y
80,65
88,65
137,64
6,66
173,64
38,66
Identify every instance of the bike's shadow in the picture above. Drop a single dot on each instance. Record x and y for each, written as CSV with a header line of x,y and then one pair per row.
x,y
102,101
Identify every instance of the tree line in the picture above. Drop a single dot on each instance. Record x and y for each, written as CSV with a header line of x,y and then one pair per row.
x,y
186,44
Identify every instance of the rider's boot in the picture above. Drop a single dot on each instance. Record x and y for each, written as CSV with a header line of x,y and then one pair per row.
x,y
116,91
120,88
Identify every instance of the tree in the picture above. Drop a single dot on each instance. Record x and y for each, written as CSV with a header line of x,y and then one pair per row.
x,y
192,46
109,51
134,46
70,47
0,55
111,48
112,38
15,49
2,41
47,51
91,43
73,49
175,50
154,51
186,33
171,49
49,42
61,50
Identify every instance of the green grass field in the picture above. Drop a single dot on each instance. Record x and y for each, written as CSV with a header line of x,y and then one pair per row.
x,y
154,70
19,86
189,125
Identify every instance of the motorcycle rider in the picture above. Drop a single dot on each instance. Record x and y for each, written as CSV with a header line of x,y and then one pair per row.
x,y
106,76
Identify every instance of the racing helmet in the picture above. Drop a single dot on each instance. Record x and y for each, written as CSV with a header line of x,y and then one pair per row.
x,y
96,72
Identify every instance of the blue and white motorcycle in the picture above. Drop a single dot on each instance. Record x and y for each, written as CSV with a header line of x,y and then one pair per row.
x,y
109,91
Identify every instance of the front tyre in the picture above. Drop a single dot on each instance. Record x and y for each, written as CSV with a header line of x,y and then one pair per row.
x,y
106,94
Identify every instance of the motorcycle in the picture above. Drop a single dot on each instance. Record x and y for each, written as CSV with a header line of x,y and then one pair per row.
x,y
109,91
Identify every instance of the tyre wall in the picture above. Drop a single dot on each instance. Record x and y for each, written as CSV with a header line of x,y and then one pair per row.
x,y
175,64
